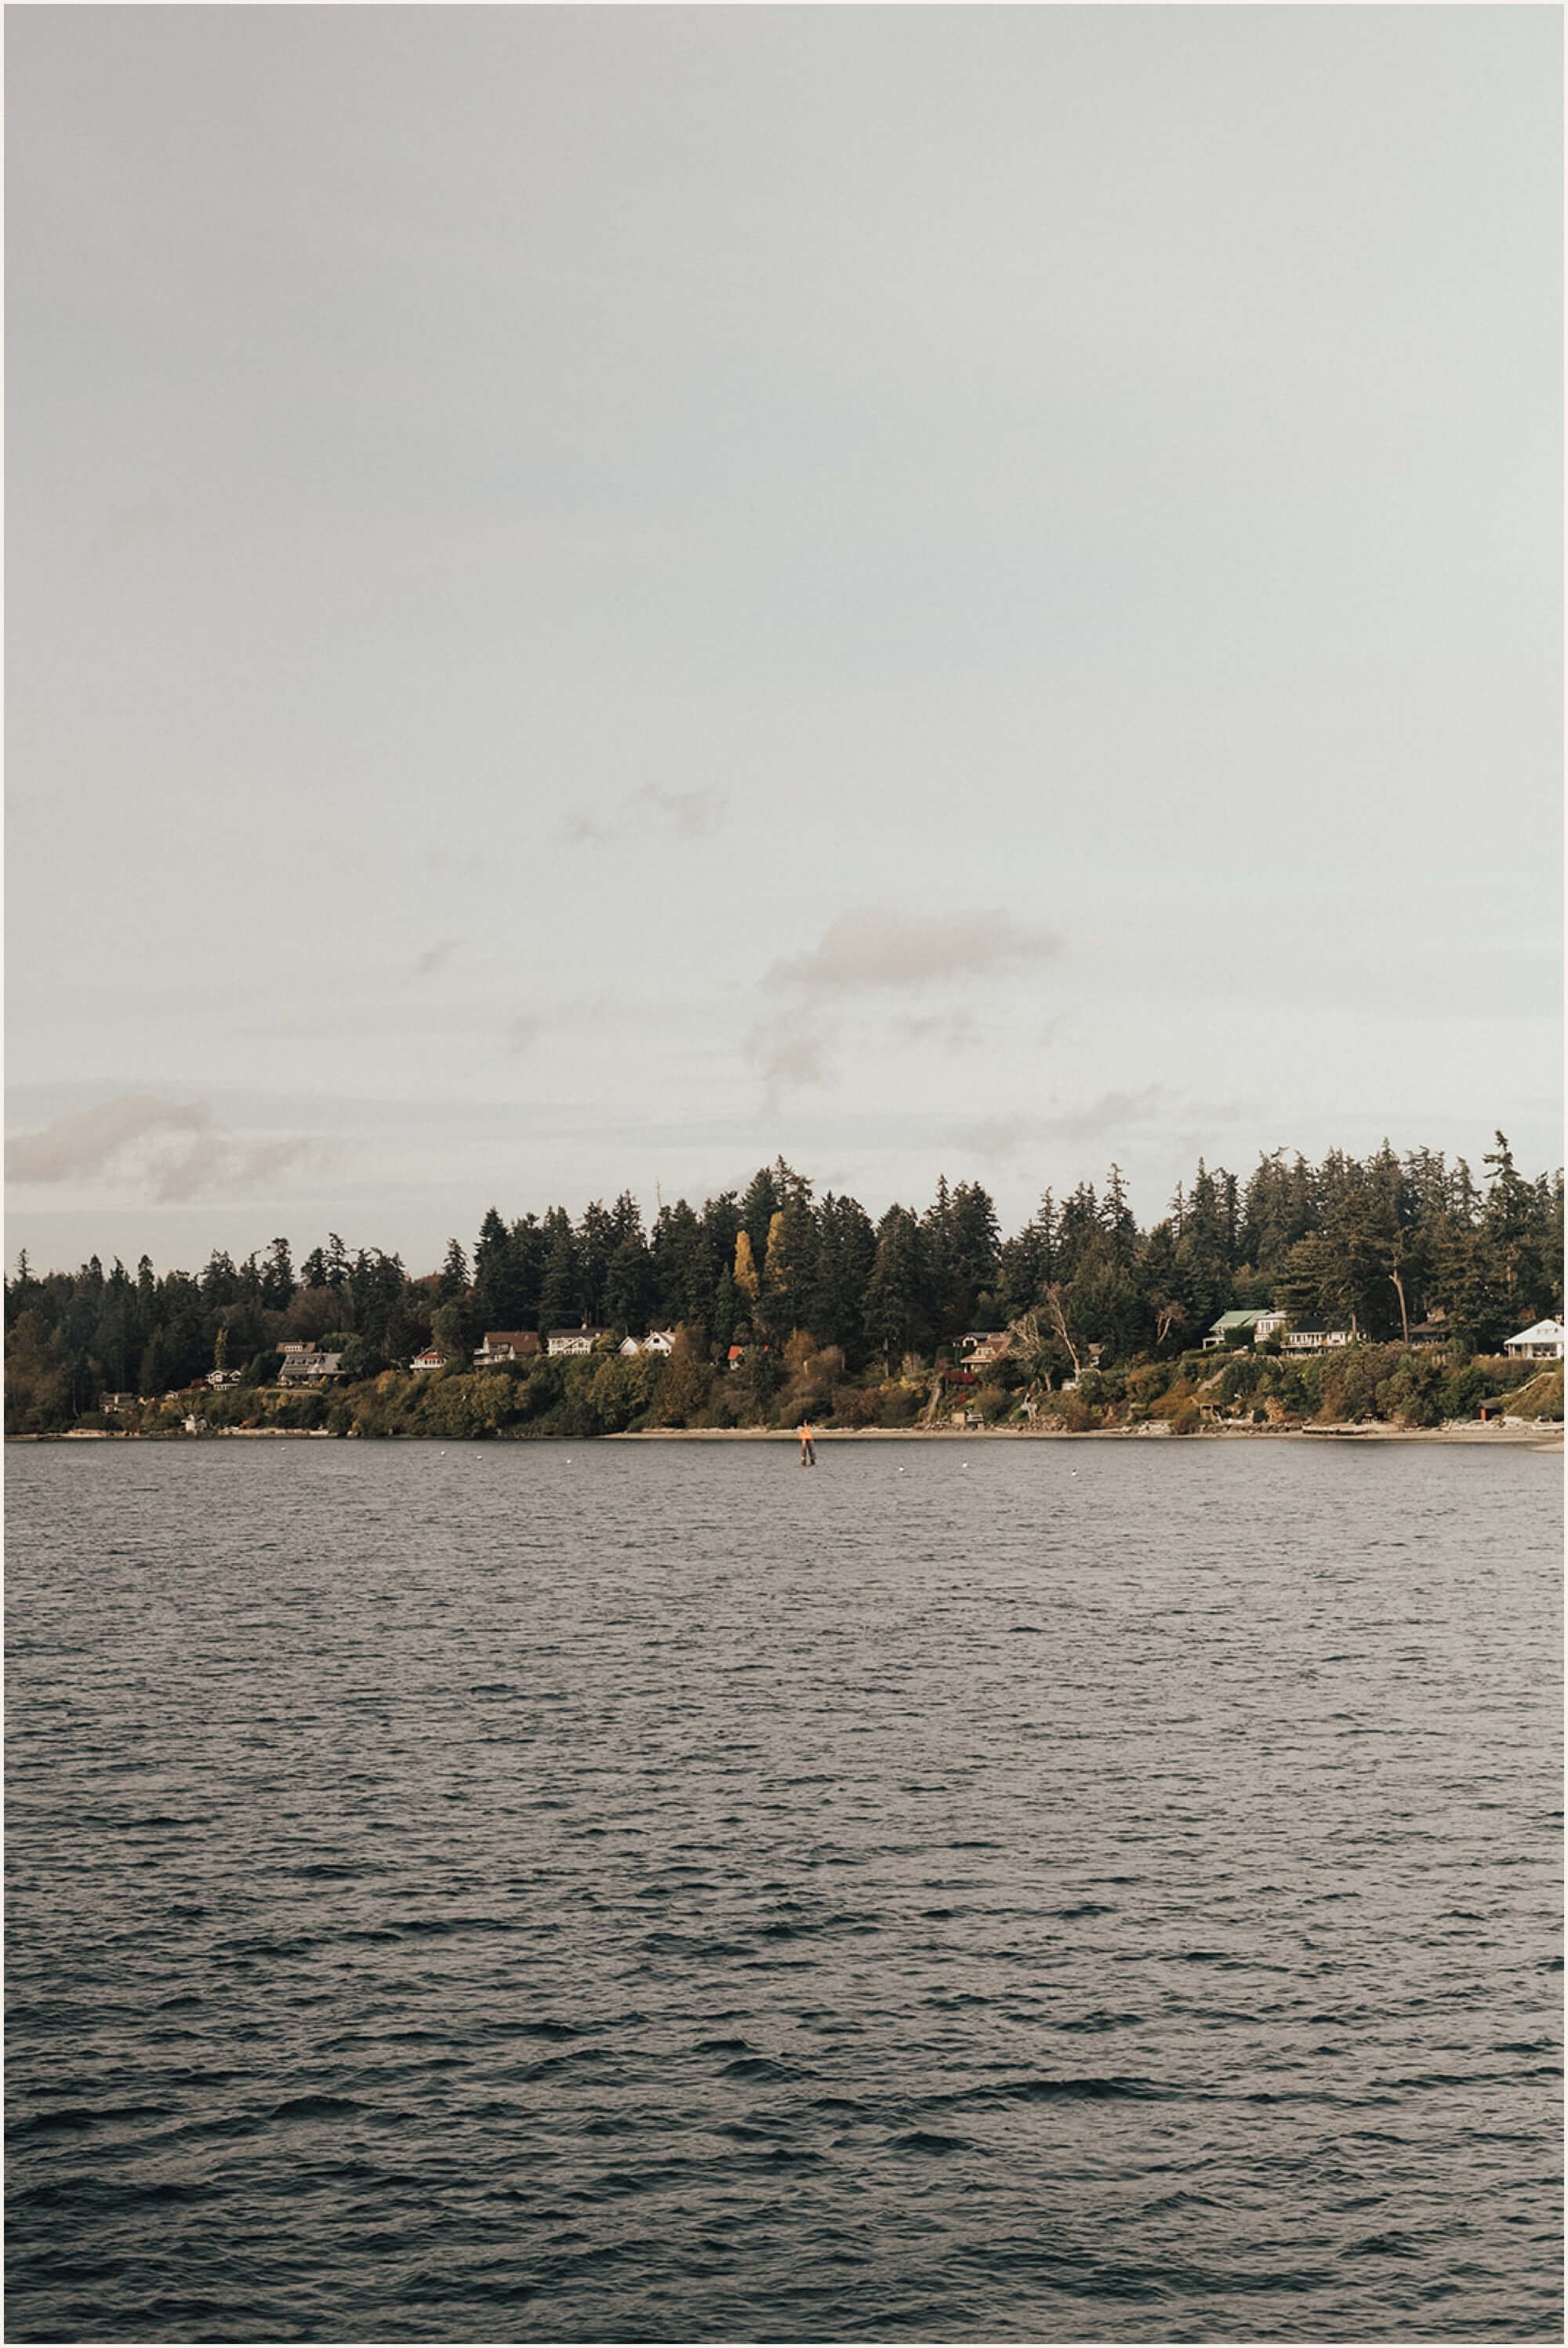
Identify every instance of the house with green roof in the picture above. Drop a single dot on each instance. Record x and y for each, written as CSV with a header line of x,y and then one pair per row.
x,y
1242,1329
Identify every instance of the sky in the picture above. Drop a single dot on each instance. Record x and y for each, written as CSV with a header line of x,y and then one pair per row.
x,y
599,594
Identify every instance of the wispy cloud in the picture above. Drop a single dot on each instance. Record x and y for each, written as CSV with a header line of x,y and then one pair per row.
x,y
174,1148
950,1031
1109,1113
991,1138
789,1059
522,1032
1015,1134
433,957
877,948
686,815
691,815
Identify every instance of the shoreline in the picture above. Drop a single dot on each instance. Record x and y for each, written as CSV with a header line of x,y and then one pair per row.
x,y
1537,1438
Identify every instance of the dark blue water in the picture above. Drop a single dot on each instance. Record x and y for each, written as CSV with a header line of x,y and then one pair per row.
x,y
1052,1891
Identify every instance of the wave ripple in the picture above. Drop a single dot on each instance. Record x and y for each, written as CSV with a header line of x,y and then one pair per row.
x,y
646,1893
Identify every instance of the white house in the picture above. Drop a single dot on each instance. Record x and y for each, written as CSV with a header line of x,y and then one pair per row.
x,y
657,1341
430,1359
981,1347
1242,1328
573,1341
1315,1340
222,1378
1541,1342
303,1365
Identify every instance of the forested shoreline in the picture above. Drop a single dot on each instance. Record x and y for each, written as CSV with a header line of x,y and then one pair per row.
x,y
783,1302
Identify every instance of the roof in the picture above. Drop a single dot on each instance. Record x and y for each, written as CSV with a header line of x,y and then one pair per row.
x,y
1237,1320
1540,1332
527,1338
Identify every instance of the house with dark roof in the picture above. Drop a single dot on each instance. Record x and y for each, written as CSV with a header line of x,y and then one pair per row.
x,y
506,1346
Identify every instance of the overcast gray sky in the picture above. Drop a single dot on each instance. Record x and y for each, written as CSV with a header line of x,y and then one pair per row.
x,y
596,595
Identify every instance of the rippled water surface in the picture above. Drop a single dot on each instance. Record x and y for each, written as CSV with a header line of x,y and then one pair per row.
x,y
1044,1891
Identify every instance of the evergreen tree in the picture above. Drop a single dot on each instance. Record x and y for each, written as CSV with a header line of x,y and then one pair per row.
x,y
561,1295
846,1251
629,1286
789,1269
1027,1262
278,1277
760,1203
894,1312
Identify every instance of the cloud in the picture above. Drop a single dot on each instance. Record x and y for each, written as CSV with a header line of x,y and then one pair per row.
x,y
790,1059
951,1031
690,815
522,1032
1110,1111
999,1136
433,957
173,1147
1014,1135
876,948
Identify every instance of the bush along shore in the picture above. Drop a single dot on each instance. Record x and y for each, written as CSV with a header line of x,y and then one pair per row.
x,y
776,1305
606,1392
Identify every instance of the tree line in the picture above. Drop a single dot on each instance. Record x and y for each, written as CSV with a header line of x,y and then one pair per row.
x,y
1375,1245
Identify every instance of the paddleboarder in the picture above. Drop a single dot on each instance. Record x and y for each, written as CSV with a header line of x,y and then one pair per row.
x,y
807,1448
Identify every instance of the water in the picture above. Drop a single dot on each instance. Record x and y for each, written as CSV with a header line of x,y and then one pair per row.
x,y
1056,1891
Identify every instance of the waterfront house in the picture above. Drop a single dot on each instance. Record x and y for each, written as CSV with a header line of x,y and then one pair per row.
x,y
506,1346
574,1341
119,1402
430,1359
1433,1331
222,1378
303,1364
660,1342
1242,1329
1541,1342
981,1347
1315,1340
